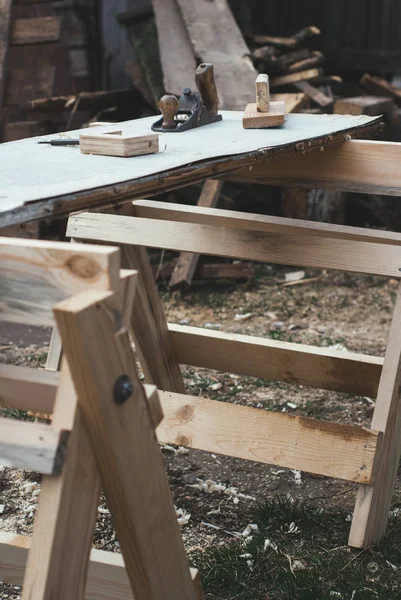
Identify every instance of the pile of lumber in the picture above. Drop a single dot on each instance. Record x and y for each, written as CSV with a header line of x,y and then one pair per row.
x,y
294,66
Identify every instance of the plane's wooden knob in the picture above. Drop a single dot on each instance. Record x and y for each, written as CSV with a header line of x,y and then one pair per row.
x,y
169,107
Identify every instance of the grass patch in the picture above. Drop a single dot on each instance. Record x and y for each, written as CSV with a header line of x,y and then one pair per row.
x,y
299,553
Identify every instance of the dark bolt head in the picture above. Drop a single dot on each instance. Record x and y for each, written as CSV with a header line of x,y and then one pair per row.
x,y
187,91
123,389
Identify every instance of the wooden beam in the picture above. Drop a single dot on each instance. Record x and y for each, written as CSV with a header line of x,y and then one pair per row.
x,y
27,389
37,30
363,166
36,274
233,219
282,361
66,513
107,577
363,105
185,267
373,502
133,475
276,248
32,446
294,77
319,447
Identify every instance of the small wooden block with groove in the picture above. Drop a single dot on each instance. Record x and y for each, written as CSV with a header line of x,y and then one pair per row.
x,y
263,113
114,143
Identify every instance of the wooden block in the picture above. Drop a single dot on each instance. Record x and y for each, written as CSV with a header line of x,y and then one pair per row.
x,y
115,144
35,31
262,93
315,446
363,105
293,102
314,94
107,577
32,446
27,389
253,119
293,77
276,360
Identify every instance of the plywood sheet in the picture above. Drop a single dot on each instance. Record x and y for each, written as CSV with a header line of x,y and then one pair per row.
x,y
31,173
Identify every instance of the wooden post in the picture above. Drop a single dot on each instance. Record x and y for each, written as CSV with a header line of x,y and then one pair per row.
x,y
373,501
185,267
115,412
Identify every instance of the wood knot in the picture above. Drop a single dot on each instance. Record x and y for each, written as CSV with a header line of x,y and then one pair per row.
x,y
183,440
185,413
83,267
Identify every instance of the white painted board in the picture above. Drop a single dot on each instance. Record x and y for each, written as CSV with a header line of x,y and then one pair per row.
x,y
30,171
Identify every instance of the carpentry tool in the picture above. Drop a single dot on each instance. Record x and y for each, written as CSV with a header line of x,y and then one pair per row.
x,y
60,142
263,113
193,109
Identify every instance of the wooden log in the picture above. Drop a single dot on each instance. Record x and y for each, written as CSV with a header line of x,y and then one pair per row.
x,y
315,60
315,446
276,360
36,274
32,446
373,502
185,267
363,105
284,60
38,30
276,248
107,577
294,77
381,87
287,42
133,475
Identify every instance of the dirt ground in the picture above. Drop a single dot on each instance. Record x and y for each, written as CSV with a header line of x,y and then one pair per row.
x,y
329,309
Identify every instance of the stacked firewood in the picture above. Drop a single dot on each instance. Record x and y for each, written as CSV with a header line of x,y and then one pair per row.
x,y
293,66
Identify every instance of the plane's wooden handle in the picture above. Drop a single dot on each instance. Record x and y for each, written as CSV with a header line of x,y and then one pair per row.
x,y
168,106
204,77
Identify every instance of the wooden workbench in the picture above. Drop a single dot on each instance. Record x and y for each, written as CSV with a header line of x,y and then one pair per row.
x,y
43,181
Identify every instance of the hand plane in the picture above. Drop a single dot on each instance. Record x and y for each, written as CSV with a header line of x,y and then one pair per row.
x,y
193,109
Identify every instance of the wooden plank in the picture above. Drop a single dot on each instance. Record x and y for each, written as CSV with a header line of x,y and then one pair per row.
x,y
32,446
115,143
66,512
276,360
380,86
27,389
253,119
316,59
319,447
287,42
277,248
357,166
217,39
363,105
373,502
211,271
294,77
35,31
174,48
153,209
133,475
107,577
314,93
23,86
5,23
149,326
185,267
36,274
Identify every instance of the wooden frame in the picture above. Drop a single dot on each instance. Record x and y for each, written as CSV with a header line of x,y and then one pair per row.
x,y
249,433
156,566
